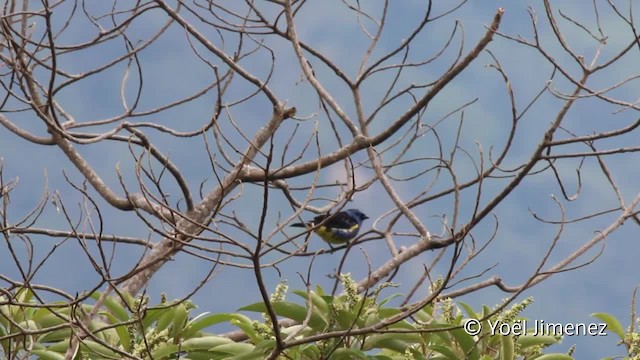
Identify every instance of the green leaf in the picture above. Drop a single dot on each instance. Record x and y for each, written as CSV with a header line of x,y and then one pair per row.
x,y
467,343
128,299
4,343
203,321
307,351
393,341
123,334
47,355
291,311
205,342
47,318
526,341
389,298
197,355
388,312
24,295
102,331
458,319
166,318
555,357
152,315
345,319
29,325
469,311
55,336
418,354
371,319
254,355
444,350
179,320
86,346
119,311
485,311
612,323
55,316
194,344
317,300
246,325
347,354
423,316
406,326
233,349
507,352
267,345
4,315
445,336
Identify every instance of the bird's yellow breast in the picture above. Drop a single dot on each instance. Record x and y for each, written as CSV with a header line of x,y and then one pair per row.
x,y
336,236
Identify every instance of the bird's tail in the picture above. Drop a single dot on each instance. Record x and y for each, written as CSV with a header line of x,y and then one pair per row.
x,y
299,225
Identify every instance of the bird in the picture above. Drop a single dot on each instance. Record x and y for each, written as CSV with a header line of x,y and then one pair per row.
x,y
338,228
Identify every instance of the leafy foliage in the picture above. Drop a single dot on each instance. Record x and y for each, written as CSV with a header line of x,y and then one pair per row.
x,y
345,326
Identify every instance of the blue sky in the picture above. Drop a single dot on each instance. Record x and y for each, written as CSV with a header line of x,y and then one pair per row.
x,y
171,70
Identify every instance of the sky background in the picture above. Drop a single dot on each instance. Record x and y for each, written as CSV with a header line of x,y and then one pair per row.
x,y
171,71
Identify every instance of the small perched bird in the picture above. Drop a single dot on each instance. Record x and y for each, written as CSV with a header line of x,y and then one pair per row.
x,y
338,228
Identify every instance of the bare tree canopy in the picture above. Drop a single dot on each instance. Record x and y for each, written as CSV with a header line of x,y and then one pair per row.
x,y
168,146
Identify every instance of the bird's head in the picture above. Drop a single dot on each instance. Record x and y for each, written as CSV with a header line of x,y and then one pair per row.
x,y
357,214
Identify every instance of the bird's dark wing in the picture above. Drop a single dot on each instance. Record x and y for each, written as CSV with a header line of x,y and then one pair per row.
x,y
341,220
